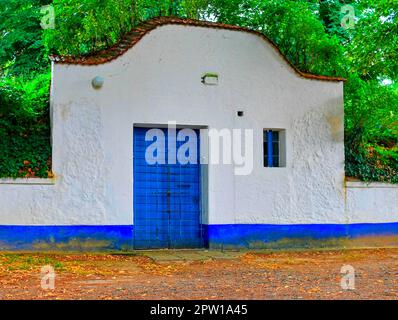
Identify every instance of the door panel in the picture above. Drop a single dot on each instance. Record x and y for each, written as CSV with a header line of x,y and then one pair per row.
x,y
166,200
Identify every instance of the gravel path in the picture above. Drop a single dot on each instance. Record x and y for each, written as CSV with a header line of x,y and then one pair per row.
x,y
203,275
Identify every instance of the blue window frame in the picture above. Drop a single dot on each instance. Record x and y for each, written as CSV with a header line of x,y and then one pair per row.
x,y
271,142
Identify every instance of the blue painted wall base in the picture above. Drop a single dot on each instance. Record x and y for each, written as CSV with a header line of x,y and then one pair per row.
x,y
120,238
66,238
288,236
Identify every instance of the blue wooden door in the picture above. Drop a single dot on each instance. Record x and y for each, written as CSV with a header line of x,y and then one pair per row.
x,y
166,200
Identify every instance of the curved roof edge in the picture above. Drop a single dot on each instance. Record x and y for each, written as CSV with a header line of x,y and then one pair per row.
x,y
135,35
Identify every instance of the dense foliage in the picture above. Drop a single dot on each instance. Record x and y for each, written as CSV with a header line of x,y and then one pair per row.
x,y
24,128
309,33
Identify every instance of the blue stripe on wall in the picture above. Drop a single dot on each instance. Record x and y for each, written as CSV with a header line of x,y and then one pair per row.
x,y
82,238
252,235
103,238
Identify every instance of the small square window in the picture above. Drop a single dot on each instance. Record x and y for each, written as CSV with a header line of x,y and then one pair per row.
x,y
274,148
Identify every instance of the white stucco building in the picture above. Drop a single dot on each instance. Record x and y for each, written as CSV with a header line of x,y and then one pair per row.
x,y
201,76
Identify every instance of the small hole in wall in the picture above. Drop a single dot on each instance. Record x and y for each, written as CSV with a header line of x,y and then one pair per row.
x,y
240,113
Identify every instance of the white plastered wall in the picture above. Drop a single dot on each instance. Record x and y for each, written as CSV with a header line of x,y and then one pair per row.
x,y
372,202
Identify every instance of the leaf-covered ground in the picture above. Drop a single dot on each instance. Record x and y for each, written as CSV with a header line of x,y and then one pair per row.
x,y
203,275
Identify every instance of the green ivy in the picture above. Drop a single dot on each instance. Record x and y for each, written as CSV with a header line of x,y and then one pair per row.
x,y
25,149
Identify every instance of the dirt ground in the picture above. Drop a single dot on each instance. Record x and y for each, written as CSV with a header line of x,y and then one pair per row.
x,y
201,275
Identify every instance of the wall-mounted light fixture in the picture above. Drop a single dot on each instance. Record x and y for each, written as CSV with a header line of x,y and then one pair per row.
x,y
210,79
97,82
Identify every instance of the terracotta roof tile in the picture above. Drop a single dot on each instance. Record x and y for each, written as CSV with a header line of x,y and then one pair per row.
x,y
135,35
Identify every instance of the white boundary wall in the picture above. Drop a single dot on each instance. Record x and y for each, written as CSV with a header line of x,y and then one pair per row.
x,y
371,202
